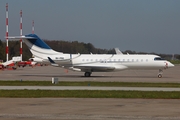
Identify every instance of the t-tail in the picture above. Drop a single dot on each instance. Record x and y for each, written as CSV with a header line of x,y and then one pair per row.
x,y
37,46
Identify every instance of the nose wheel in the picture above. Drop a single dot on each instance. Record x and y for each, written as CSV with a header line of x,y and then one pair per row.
x,y
160,73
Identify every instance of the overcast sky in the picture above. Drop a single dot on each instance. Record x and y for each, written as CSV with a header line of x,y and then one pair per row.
x,y
138,25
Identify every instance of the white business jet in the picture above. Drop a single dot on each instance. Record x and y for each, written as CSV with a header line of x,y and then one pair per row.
x,y
89,63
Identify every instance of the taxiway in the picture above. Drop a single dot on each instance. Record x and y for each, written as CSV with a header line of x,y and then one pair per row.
x,y
45,73
89,108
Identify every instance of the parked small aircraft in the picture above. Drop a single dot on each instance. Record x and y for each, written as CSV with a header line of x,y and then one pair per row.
x,y
89,63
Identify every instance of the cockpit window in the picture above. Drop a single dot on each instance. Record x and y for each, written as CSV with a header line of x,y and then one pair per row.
x,y
158,58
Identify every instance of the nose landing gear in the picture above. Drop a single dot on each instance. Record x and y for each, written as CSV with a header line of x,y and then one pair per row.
x,y
160,73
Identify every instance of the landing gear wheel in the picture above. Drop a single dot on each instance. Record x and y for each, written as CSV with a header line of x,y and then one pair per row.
x,y
159,75
87,74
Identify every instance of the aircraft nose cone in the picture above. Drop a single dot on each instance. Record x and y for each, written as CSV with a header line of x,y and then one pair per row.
x,y
170,65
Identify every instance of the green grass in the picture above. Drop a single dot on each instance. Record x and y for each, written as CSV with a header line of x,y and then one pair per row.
x,y
88,83
175,61
87,94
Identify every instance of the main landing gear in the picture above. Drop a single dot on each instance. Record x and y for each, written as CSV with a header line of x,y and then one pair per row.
x,y
87,74
160,73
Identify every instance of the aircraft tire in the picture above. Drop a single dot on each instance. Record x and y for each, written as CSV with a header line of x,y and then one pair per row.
x,y
87,74
159,75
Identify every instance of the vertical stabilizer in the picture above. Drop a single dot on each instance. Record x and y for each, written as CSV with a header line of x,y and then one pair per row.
x,y
37,46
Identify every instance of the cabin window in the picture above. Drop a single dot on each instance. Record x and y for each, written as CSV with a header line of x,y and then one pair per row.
x,y
158,58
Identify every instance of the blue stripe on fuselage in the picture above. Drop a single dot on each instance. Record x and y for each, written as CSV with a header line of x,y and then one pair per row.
x,y
37,41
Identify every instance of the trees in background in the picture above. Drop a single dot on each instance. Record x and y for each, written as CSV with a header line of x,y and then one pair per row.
x,y
2,50
14,50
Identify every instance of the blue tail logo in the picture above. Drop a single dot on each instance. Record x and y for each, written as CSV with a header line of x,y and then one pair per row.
x,y
35,40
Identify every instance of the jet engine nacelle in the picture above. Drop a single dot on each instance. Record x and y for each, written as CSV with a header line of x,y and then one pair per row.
x,y
36,60
74,69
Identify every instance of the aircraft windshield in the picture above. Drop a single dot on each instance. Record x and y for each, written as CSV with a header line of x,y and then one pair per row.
x,y
158,58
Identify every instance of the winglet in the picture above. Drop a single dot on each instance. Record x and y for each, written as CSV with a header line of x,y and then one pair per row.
x,y
52,62
118,51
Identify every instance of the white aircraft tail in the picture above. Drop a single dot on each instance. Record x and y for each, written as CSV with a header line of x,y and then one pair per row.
x,y
37,46
14,60
7,63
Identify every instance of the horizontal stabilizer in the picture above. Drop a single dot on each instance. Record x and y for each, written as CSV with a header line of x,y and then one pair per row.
x,y
20,37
